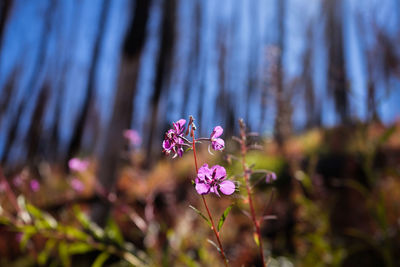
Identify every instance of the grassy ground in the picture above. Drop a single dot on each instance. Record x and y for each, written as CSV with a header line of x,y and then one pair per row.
x,y
336,202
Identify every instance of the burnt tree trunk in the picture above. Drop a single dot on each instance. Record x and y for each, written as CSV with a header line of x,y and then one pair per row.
x,y
313,114
5,7
75,142
163,72
282,104
123,104
337,77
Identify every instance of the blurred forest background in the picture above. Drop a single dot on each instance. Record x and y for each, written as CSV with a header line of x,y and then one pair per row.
x,y
318,79
282,65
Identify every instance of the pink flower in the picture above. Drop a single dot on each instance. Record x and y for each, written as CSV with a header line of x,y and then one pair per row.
x,y
216,142
77,185
34,184
212,180
179,126
270,177
133,137
78,165
173,141
17,181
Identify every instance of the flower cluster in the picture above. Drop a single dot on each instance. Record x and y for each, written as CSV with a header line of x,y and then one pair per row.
x,y
212,180
208,180
174,142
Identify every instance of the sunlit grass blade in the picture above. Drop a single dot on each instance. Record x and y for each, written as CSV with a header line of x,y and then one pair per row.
x,y
101,259
214,245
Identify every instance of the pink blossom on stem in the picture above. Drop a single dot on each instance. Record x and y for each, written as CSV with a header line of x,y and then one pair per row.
x,y
173,141
216,142
212,180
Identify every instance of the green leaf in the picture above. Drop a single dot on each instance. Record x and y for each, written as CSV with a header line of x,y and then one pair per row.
x,y
79,248
201,214
113,232
223,217
26,236
101,259
44,254
87,224
82,218
215,245
35,212
64,255
73,232
256,239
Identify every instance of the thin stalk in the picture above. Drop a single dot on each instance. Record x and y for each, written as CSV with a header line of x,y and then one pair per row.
x,y
205,203
247,181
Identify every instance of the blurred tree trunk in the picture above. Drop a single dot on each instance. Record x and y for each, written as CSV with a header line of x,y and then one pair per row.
x,y
283,99
52,144
32,83
193,57
75,142
371,63
5,7
337,76
32,139
313,113
113,141
252,75
163,74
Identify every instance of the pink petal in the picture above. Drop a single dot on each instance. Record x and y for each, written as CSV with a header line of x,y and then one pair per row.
x,y
181,122
202,188
220,172
217,132
218,144
270,177
227,187
203,172
214,189
179,126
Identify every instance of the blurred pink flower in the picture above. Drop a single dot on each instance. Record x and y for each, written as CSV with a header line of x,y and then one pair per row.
x,y
270,177
78,165
34,184
133,137
77,185
17,181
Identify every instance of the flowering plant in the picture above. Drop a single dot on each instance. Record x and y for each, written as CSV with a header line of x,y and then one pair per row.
x,y
214,179
208,180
